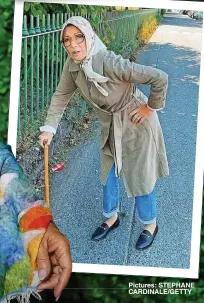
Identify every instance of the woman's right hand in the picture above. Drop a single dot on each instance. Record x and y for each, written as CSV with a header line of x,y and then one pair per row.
x,y
54,261
45,138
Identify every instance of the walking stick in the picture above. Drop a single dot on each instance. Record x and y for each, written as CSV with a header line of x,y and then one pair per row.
x,y
46,175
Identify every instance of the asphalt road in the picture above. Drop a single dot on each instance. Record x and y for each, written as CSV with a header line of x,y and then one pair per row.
x,y
76,192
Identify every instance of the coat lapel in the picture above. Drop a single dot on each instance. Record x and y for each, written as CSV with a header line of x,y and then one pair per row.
x,y
82,84
79,78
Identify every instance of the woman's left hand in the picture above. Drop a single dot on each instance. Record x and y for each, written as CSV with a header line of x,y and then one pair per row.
x,y
139,114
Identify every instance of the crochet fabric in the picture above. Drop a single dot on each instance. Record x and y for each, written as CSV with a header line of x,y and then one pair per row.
x,y
24,219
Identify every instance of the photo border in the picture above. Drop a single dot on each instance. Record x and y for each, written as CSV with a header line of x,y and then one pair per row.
x,y
193,271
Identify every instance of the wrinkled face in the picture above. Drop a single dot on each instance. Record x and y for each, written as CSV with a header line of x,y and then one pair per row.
x,y
75,43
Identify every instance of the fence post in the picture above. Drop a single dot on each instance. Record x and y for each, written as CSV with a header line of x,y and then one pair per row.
x,y
66,17
43,30
53,49
57,22
19,117
57,51
48,59
31,31
37,66
25,28
25,71
37,28
61,49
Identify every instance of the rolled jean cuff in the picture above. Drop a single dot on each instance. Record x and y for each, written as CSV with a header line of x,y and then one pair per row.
x,y
147,221
112,213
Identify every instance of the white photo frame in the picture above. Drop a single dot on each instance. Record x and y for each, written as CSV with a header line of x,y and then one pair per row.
x,y
193,271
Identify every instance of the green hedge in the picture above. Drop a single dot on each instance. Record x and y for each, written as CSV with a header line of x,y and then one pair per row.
x,y
6,21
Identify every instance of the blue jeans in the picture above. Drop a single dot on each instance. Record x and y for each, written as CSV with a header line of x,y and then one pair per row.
x,y
145,205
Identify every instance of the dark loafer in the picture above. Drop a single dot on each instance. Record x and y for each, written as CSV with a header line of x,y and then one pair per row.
x,y
102,231
146,239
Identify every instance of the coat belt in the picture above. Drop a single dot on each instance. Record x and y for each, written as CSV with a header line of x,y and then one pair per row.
x,y
117,131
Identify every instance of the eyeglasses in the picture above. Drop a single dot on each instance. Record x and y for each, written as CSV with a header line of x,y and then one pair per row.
x,y
79,38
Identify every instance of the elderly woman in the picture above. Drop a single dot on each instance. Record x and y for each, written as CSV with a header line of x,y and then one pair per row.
x,y
131,141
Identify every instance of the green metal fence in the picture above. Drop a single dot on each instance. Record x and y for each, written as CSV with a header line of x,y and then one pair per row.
x,y
43,56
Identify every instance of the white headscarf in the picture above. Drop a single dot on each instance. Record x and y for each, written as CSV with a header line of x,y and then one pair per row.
x,y
93,44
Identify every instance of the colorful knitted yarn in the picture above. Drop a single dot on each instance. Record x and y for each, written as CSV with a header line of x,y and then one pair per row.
x,y
24,219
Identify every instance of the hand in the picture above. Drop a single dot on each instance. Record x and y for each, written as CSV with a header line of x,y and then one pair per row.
x,y
54,262
45,138
139,114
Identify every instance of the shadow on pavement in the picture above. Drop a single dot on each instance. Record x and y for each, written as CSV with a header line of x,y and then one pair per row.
x,y
171,19
180,63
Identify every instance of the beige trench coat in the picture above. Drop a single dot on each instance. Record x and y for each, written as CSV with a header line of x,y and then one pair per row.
x,y
138,150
